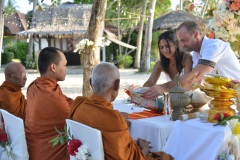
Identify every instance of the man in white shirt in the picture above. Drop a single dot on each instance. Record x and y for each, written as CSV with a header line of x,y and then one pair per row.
x,y
209,55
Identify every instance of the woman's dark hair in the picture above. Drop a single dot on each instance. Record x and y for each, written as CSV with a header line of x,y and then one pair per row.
x,y
170,36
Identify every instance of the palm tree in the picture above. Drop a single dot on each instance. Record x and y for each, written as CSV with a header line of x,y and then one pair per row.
x,y
10,8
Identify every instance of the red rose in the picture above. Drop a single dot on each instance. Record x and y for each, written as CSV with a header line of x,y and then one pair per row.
x,y
73,146
218,117
3,137
226,114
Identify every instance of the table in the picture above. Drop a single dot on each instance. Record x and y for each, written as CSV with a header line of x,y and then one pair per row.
x,y
154,129
184,140
193,139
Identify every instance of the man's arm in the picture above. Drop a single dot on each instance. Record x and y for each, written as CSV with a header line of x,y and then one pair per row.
x,y
186,80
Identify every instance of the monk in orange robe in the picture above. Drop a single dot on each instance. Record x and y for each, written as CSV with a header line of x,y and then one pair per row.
x,y
11,96
47,107
97,112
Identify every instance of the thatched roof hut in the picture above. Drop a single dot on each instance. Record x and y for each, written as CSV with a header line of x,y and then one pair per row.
x,y
63,21
14,23
173,19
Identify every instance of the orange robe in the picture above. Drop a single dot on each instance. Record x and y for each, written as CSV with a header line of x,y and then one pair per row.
x,y
12,99
98,113
46,107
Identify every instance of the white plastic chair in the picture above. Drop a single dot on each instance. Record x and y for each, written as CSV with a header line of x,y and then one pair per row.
x,y
89,136
14,127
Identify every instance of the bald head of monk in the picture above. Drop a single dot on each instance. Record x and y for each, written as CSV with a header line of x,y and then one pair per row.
x,y
16,74
105,81
52,63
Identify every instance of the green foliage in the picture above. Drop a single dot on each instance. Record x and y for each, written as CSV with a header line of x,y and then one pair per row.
x,y
130,12
30,63
151,66
28,17
7,57
124,61
21,50
61,138
10,48
10,8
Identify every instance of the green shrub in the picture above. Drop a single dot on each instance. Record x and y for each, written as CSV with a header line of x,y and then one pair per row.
x,y
7,57
124,61
21,50
30,63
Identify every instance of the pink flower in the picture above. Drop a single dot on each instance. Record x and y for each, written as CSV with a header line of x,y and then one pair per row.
x,y
73,146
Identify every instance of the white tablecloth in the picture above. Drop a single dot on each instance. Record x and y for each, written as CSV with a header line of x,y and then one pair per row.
x,y
194,140
154,129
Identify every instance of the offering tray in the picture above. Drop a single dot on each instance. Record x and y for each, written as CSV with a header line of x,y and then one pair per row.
x,y
217,87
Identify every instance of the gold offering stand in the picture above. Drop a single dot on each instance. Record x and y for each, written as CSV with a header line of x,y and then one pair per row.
x,y
222,95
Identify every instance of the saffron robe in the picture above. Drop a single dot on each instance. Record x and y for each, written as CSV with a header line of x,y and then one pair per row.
x,y
12,99
98,113
47,107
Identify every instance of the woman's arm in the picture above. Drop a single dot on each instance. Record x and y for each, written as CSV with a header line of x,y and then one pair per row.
x,y
187,63
152,80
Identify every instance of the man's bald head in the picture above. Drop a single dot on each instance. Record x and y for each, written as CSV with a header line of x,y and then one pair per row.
x,y
15,73
103,76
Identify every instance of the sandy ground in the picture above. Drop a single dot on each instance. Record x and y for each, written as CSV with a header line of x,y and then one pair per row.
x,y
72,86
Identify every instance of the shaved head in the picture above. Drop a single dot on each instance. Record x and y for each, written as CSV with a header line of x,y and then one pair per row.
x,y
15,73
103,77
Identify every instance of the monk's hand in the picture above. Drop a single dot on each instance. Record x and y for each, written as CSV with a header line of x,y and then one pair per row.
x,y
128,123
144,146
153,92
125,115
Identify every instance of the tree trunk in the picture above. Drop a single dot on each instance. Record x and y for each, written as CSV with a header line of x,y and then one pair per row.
x,y
129,38
119,32
145,63
30,43
181,5
139,39
1,28
91,56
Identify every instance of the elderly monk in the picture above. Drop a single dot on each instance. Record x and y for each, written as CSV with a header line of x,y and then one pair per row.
x,y
47,107
97,112
11,97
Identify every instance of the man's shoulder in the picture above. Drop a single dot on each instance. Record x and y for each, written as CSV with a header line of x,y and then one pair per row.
x,y
213,42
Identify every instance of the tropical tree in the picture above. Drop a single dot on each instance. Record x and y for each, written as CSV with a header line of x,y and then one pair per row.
x,y
10,8
1,27
145,62
91,56
140,33
30,43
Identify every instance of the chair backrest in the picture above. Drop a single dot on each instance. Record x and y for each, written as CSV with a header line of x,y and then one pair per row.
x,y
14,127
89,136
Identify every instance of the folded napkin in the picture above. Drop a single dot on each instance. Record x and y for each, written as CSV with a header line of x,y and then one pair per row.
x,y
144,114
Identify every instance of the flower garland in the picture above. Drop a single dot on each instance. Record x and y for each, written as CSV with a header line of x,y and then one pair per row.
x,y
78,150
75,147
230,149
225,23
223,117
86,43
5,142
